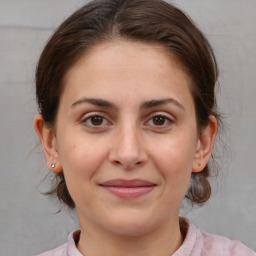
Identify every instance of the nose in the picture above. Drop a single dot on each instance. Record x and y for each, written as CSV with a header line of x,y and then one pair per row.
x,y
128,149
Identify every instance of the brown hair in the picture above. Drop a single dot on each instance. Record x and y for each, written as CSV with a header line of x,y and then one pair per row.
x,y
150,21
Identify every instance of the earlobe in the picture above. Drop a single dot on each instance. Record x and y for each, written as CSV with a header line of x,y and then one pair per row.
x,y
49,144
205,145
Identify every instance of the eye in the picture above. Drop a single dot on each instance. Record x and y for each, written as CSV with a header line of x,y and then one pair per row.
x,y
159,121
95,120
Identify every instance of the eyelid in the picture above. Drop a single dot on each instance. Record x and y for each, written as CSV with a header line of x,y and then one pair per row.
x,y
91,114
163,114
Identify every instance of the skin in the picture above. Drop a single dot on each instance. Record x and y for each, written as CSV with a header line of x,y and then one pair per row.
x,y
128,140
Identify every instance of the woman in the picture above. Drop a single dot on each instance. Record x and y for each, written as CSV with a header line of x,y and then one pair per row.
x,y
127,121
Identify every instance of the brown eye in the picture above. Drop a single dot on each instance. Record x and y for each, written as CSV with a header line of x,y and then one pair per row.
x,y
97,120
159,120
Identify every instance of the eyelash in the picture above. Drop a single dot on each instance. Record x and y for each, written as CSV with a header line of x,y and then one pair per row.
x,y
87,121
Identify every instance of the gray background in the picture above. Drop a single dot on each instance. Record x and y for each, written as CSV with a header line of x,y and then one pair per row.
x,y
28,223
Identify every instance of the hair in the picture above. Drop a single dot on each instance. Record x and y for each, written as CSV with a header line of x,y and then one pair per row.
x,y
148,21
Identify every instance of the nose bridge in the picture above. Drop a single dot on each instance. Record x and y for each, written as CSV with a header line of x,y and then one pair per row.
x,y
128,149
129,143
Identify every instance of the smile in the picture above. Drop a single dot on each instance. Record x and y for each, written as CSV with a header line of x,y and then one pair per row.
x,y
128,189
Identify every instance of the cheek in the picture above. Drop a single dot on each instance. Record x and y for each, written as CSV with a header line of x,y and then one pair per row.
x,y
81,158
174,159
176,153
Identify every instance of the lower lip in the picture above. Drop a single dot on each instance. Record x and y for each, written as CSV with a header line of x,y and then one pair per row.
x,y
129,192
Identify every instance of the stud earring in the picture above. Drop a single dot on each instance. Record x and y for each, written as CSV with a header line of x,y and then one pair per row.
x,y
53,165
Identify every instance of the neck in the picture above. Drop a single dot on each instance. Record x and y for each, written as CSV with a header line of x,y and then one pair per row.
x,y
163,241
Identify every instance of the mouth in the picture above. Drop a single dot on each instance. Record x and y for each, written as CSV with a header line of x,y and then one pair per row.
x,y
128,189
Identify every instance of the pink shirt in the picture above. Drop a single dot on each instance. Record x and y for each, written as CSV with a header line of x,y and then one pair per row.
x,y
196,243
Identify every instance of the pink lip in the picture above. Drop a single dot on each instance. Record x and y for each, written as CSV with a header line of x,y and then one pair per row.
x,y
128,188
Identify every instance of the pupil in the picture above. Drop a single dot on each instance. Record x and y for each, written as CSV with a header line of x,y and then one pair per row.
x,y
97,120
159,120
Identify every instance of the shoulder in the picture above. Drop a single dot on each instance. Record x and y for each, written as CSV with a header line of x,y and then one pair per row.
x,y
66,249
211,244
201,243
59,251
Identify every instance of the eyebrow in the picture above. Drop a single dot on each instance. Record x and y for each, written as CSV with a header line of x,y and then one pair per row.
x,y
95,102
147,104
155,103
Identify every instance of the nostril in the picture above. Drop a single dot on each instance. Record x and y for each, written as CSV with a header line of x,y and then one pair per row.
x,y
116,162
128,156
127,165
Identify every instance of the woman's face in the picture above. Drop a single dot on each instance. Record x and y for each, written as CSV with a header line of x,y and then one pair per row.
x,y
126,137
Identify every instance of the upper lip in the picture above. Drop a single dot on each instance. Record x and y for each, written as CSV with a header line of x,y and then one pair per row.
x,y
127,183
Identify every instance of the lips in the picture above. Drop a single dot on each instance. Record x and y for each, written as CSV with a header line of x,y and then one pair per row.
x,y
128,189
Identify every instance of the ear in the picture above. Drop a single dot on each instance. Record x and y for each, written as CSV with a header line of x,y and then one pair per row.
x,y
49,144
205,145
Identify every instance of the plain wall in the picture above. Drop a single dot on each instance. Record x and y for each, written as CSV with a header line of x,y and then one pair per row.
x,y
28,222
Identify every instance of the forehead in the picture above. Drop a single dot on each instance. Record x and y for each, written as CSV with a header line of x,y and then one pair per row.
x,y
127,67
118,53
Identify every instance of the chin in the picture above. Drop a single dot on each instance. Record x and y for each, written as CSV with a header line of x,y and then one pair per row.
x,y
132,224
